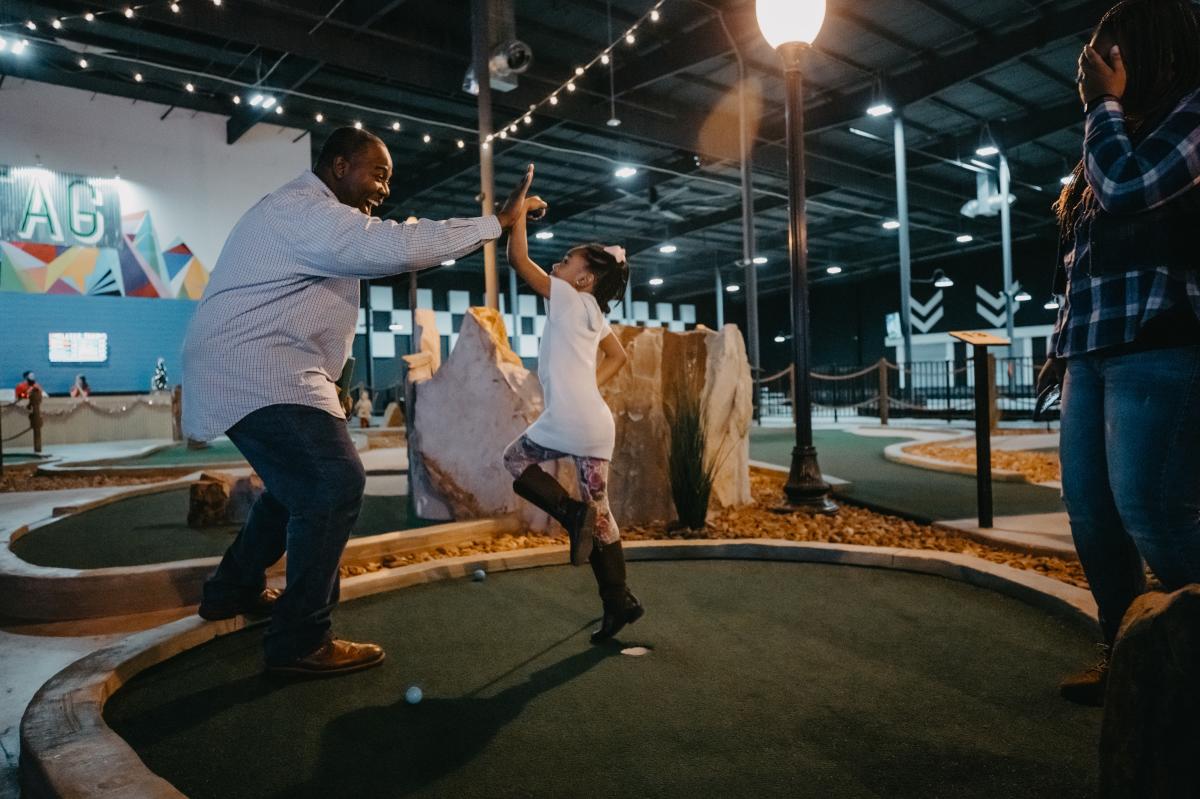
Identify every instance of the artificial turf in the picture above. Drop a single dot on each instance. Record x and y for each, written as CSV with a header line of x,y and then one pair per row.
x,y
906,490
152,528
764,679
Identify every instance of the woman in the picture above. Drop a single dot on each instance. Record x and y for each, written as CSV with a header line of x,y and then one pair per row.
x,y
1127,343
81,389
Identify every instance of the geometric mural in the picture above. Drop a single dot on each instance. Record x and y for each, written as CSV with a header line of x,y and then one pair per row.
x,y
136,268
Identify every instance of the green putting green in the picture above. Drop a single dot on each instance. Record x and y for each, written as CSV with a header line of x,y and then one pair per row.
x,y
220,451
764,679
153,529
906,490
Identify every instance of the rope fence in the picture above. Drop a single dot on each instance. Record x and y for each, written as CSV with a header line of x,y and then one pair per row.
x,y
922,389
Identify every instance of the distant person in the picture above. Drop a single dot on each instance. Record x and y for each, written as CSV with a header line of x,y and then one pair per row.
x,y
266,345
576,423
1126,346
28,383
81,389
364,408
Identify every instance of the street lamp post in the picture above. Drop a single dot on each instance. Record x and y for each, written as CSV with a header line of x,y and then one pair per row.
x,y
790,27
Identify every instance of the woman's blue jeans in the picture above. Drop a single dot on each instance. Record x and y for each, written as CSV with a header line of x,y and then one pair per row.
x,y
1130,453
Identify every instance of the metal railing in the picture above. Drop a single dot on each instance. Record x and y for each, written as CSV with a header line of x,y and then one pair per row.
x,y
922,389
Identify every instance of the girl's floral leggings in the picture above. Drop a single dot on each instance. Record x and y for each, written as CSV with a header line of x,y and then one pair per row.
x,y
592,474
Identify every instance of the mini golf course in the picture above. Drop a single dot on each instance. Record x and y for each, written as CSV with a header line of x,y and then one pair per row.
x,y
762,679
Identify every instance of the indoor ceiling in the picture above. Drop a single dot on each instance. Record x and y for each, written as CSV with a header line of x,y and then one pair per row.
x,y
961,71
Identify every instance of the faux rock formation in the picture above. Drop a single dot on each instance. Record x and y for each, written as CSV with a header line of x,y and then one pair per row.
x,y
482,398
218,499
393,416
1150,740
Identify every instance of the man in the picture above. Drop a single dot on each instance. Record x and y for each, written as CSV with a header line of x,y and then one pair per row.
x,y
262,354
28,383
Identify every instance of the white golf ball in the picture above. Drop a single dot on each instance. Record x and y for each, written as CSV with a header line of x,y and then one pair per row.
x,y
413,695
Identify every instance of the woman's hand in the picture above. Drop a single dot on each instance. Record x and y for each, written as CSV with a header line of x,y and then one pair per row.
x,y
1053,371
1098,77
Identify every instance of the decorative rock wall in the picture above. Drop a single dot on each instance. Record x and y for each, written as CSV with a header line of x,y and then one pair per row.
x,y
219,499
482,398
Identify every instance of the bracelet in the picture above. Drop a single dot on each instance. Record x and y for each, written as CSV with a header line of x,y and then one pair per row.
x,y
1091,104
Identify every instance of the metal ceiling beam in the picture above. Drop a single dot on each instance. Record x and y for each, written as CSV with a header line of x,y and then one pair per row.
x,y
935,73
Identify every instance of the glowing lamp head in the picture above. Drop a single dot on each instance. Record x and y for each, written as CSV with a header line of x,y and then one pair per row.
x,y
790,21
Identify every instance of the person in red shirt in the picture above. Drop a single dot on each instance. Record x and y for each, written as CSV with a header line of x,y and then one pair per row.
x,y
27,384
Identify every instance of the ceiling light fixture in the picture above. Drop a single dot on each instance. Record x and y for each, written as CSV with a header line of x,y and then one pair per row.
x,y
668,249
544,235
733,288
965,238
759,260
833,270
625,172
656,281
891,224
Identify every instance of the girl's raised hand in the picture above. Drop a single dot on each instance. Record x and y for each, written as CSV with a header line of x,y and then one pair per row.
x,y
535,208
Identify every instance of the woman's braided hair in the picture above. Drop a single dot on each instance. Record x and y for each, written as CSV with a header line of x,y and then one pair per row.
x,y
1160,45
611,275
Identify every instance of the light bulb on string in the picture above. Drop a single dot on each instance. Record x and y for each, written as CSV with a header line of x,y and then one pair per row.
x,y
528,119
237,99
137,78
571,86
604,59
128,12
630,38
191,87
427,138
358,126
513,128
395,126
175,7
83,63
278,109
31,24
56,24
461,144
90,17
655,16
319,117
554,99
578,71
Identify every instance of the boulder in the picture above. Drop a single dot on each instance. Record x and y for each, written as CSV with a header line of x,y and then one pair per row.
x,y
1150,739
218,499
393,416
482,398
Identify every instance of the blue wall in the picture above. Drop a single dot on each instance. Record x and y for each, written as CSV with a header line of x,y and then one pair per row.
x,y
139,331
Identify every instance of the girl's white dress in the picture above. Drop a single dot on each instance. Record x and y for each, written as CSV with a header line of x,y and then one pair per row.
x,y
576,420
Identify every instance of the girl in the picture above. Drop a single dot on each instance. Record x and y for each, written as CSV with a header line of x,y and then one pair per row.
x,y
1127,342
576,422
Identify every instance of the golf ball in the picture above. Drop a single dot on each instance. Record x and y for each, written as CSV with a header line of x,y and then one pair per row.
x,y
479,575
413,695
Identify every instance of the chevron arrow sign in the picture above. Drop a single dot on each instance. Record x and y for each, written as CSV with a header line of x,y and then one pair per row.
x,y
991,306
926,315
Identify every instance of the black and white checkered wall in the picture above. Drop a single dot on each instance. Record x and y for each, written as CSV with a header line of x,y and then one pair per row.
x,y
389,321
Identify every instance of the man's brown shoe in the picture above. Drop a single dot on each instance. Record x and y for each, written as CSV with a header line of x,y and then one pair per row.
x,y
260,605
332,658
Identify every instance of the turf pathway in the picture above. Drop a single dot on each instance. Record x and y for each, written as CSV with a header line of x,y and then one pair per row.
x,y
906,490
764,680
153,529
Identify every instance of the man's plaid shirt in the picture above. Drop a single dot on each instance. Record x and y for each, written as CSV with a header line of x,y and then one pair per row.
x,y
1108,310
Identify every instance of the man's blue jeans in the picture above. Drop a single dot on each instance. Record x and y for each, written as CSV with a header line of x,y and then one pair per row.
x,y
1130,453
314,484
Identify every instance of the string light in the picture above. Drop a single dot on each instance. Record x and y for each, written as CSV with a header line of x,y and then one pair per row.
x,y
191,87
137,77
128,12
278,109
319,117
395,126
358,126
569,85
31,24
237,99
461,144
83,63
427,138
175,7
90,17
56,24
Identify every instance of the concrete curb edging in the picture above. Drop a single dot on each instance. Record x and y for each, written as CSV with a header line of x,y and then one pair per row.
x,y
43,593
67,749
897,453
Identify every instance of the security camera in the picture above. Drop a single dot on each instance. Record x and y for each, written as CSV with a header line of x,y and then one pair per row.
x,y
511,58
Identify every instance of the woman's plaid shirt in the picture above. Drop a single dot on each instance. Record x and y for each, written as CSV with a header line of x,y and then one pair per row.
x,y
1108,310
